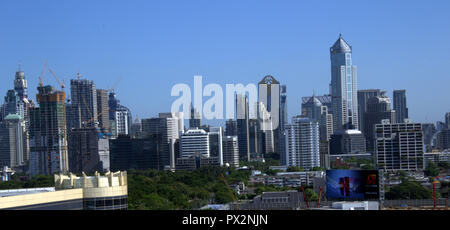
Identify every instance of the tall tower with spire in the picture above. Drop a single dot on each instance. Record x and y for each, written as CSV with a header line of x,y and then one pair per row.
x,y
343,86
20,84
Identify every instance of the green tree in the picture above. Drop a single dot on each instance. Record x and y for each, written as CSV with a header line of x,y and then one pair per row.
x,y
295,169
432,169
409,190
311,195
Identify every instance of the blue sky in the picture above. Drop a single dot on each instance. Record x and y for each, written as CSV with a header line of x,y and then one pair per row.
x,y
154,45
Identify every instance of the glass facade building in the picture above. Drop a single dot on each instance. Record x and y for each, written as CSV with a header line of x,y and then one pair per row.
x,y
343,86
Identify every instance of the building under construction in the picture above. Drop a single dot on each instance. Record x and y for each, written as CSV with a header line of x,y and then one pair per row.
x,y
48,134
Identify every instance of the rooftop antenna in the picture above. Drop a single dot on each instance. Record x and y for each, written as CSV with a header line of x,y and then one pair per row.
x,y
79,75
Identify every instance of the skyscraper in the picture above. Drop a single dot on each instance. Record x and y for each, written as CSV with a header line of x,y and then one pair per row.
x,y
21,85
254,135
349,141
283,122
343,86
302,143
13,104
85,146
269,98
230,151
216,143
429,131
231,127
363,97
84,96
400,108
314,110
13,142
119,116
399,146
447,120
242,115
48,134
378,109
103,111
195,120
194,142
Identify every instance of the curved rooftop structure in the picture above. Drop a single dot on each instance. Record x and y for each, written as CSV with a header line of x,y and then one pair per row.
x,y
269,79
341,46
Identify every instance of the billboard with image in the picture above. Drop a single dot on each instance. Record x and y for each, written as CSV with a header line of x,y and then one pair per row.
x,y
352,184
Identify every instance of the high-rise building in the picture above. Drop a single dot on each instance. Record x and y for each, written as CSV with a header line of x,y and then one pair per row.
x,y
136,128
378,108
447,120
195,120
179,118
103,111
119,116
302,143
85,151
269,101
194,142
314,110
399,146
16,101
363,97
21,85
231,128
400,108
84,96
13,142
230,151
13,104
242,115
325,100
144,153
254,134
429,131
167,130
48,134
443,139
349,141
216,143
283,122
343,86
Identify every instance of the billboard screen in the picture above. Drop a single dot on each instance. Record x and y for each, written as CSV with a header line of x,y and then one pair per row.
x,y
352,184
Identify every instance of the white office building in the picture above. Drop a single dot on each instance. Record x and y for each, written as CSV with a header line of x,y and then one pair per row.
x,y
194,142
302,143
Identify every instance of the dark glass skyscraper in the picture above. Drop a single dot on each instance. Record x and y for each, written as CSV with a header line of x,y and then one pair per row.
x,y
378,109
400,108
242,114
363,97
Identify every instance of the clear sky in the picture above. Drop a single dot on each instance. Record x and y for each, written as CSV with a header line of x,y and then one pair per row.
x,y
154,45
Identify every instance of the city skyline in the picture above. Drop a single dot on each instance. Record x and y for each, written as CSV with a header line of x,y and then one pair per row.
x,y
302,63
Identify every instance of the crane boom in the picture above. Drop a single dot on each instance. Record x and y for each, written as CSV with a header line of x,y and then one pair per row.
x,y
231,192
41,77
56,78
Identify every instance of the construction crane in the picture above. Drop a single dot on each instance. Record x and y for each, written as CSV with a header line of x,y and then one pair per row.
x,y
115,85
57,80
229,189
41,77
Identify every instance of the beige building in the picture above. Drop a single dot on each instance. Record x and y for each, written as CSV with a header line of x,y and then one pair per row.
x,y
108,192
